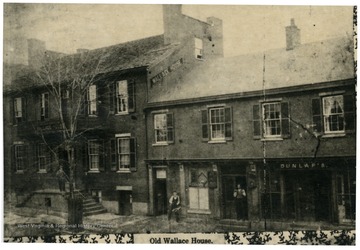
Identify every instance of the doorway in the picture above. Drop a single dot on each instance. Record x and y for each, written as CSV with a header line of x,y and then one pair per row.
x,y
311,192
160,197
125,202
228,204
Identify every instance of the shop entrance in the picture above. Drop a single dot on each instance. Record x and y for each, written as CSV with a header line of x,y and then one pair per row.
x,y
228,204
310,193
160,192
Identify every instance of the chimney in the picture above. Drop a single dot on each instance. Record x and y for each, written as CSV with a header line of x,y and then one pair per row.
x,y
36,52
215,32
82,50
292,35
172,18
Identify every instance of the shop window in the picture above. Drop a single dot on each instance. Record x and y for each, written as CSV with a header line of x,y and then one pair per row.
x,y
164,128
92,100
333,114
217,124
199,48
44,106
271,200
271,120
198,190
346,190
123,154
19,109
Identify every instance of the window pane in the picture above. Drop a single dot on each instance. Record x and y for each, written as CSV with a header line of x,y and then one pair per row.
x,y
217,122
160,127
272,124
193,198
122,96
203,198
333,110
124,152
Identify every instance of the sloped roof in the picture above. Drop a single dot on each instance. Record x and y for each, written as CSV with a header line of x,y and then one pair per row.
x,y
312,63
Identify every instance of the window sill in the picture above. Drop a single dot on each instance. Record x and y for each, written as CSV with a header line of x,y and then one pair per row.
x,y
219,141
333,135
19,172
123,171
92,116
42,172
160,144
198,211
94,171
272,139
122,113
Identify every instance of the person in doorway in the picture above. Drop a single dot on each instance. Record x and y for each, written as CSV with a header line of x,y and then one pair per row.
x,y
174,207
60,174
240,196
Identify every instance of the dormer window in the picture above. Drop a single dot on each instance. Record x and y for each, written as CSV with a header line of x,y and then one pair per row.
x,y
199,48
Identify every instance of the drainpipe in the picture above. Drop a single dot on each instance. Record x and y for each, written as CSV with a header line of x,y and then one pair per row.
x,y
264,152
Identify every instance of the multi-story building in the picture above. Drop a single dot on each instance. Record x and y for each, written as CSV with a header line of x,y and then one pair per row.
x,y
110,141
281,123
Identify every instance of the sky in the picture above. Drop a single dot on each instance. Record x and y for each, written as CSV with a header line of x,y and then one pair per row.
x,y
246,29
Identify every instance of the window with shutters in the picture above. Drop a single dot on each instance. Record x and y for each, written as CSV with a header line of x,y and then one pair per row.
x,y
94,147
123,154
164,128
19,109
271,120
43,156
20,156
92,100
217,124
199,48
44,106
122,97
333,115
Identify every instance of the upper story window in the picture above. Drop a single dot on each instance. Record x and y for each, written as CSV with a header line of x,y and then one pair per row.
x,y
43,157
122,97
44,106
123,153
199,48
164,128
271,120
92,100
19,109
217,124
333,114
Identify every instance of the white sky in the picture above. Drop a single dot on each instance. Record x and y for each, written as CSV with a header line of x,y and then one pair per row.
x,y
66,27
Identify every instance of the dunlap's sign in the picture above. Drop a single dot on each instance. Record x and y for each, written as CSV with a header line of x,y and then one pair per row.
x,y
303,165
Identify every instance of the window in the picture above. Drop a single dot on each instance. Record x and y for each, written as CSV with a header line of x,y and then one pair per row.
x,y
94,155
198,190
19,109
217,124
198,48
271,120
164,128
20,157
92,100
44,106
333,114
122,97
43,157
123,153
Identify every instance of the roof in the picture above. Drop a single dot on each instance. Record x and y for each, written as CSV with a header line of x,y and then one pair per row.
x,y
134,54
312,63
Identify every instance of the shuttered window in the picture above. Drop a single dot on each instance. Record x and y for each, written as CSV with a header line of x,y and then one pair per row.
x,y
122,97
216,124
164,128
123,154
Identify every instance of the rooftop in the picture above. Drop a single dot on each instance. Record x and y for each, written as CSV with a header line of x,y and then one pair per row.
x,y
312,63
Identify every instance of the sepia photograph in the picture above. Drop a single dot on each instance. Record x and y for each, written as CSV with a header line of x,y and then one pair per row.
x,y
176,123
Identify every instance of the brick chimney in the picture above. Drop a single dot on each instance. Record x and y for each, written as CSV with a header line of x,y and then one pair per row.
x,y
173,20
36,52
292,35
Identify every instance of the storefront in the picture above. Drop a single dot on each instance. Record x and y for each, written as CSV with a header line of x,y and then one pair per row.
x,y
321,190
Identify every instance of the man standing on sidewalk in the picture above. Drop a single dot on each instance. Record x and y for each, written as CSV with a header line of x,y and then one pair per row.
x,y
60,174
240,195
174,206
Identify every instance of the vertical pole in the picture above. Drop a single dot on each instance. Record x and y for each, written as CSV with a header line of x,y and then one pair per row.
x,y
264,150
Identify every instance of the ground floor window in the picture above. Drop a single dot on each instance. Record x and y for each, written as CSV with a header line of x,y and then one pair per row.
x,y
346,188
198,189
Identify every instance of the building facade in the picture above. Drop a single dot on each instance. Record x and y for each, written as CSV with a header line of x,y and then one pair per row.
x,y
273,122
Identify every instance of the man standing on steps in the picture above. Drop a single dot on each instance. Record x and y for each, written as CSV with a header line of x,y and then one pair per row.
x,y
174,206
60,174
239,196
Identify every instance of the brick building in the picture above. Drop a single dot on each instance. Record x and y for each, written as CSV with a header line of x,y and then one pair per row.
x,y
110,142
280,123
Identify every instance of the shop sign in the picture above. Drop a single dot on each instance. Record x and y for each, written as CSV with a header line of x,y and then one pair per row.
x,y
161,174
167,71
304,165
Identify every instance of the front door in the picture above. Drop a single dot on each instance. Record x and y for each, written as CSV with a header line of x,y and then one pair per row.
x,y
228,203
160,197
125,202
